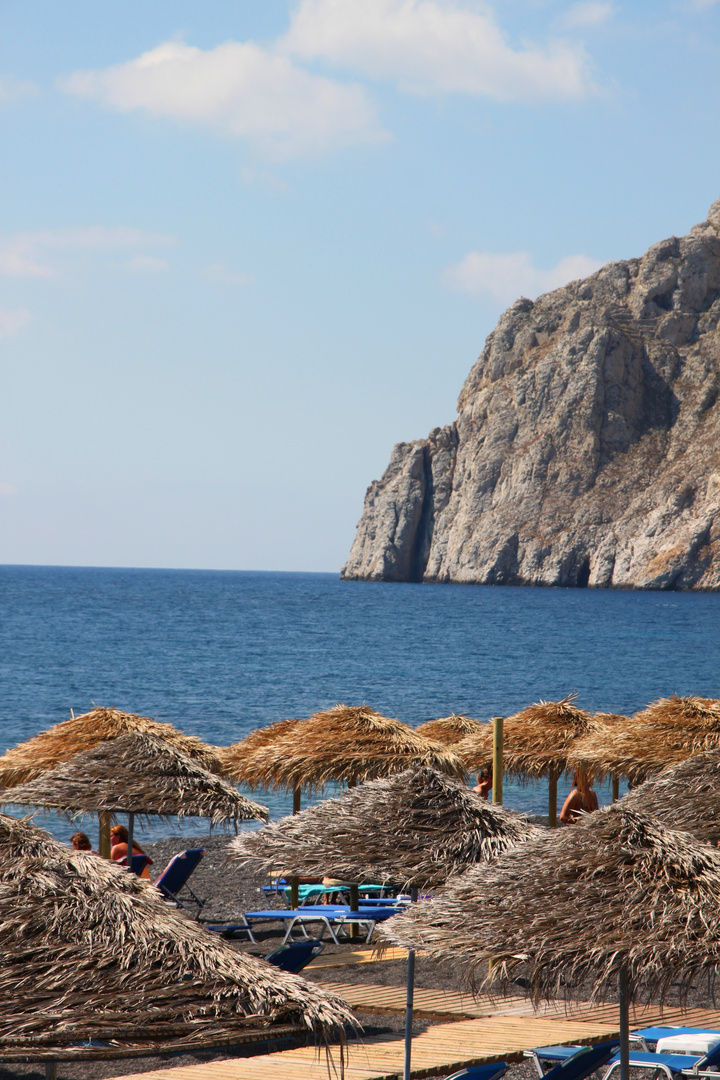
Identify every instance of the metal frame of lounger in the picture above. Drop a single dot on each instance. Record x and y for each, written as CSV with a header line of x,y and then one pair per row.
x,y
643,1036
328,915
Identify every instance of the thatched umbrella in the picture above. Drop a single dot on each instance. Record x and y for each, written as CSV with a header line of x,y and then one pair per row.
x,y
665,733
136,774
450,730
414,829
58,744
619,901
684,796
350,743
536,742
91,953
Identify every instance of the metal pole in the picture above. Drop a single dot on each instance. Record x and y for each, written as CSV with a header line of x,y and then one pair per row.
x,y
624,999
294,881
552,799
410,996
131,829
497,723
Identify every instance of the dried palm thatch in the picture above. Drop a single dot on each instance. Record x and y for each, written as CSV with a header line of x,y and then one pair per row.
x,y
345,743
665,733
415,828
91,952
136,774
620,891
684,796
450,730
536,740
59,743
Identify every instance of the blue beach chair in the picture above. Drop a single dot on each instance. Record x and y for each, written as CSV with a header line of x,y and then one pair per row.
x,y
672,1066
294,957
175,877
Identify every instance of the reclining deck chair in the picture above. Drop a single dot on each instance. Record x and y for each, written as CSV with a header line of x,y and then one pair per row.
x,y
579,1065
175,877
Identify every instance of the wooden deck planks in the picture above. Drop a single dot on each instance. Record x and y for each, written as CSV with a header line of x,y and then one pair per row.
x,y
357,956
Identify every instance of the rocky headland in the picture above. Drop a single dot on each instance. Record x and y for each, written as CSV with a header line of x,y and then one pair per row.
x,y
586,448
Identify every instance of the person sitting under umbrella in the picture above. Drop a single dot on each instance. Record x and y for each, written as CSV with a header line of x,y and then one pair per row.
x,y
484,782
581,800
119,847
81,842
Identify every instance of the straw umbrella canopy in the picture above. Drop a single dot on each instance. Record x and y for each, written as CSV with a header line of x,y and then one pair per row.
x,y
416,828
618,903
665,733
90,952
684,796
136,774
345,743
450,730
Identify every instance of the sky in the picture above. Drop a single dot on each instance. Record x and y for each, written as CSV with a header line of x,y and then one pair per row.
x,y
246,247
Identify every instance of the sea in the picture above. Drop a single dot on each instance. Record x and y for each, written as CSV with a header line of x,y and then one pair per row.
x,y
221,653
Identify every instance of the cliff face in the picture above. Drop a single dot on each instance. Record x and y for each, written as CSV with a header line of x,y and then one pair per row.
x,y
586,449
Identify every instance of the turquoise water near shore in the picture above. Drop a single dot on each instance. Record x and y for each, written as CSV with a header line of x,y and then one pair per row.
x,y
220,653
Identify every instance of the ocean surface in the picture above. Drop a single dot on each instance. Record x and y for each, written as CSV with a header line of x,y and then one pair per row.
x,y
220,653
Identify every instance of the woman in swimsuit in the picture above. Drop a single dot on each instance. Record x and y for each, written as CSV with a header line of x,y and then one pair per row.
x,y
581,800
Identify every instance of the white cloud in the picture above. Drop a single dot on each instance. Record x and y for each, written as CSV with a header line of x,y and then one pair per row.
x,y
503,278
13,89
13,321
435,46
7,489
238,89
588,13
26,254
219,273
147,264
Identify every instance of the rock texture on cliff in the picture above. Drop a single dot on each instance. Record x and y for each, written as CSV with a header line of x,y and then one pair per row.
x,y
586,449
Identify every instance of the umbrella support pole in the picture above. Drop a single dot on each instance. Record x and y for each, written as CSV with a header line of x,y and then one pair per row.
x,y
624,1001
552,797
615,788
497,760
104,834
295,881
354,905
409,1002
51,1070
131,830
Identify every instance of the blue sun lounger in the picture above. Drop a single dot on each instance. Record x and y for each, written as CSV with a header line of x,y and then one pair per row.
x,y
331,917
574,1062
670,1066
175,877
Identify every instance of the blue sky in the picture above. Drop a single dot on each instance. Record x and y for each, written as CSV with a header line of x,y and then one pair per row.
x,y
246,247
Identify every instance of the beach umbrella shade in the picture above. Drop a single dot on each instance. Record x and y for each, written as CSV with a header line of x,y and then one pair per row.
x,y
450,730
92,953
414,829
684,796
618,904
665,733
349,743
58,744
536,742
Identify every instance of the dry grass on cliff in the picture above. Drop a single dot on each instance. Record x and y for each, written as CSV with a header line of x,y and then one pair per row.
x,y
573,907
536,740
58,744
91,952
350,743
450,730
416,828
139,774
665,733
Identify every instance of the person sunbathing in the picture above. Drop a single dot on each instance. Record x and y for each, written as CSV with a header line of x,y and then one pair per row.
x,y
119,847
81,842
484,782
581,800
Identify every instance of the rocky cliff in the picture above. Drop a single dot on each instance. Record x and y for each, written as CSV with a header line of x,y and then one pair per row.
x,y
586,448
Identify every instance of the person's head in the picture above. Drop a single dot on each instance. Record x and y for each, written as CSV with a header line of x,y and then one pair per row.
x,y
582,780
81,841
118,834
485,775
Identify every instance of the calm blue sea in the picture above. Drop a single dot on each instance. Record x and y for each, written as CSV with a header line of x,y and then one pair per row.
x,y
220,653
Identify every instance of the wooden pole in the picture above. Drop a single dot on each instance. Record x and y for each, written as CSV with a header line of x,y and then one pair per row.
x,y
295,882
131,830
104,834
552,797
615,788
497,794
354,904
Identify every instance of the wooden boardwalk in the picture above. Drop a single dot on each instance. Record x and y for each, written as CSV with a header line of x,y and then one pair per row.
x,y
358,956
500,1029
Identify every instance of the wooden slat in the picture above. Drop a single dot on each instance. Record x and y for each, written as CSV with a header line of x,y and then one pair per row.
x,y
357,956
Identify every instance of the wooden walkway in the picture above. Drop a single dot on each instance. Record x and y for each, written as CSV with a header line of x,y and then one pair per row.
x,y
358,956
499,1031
